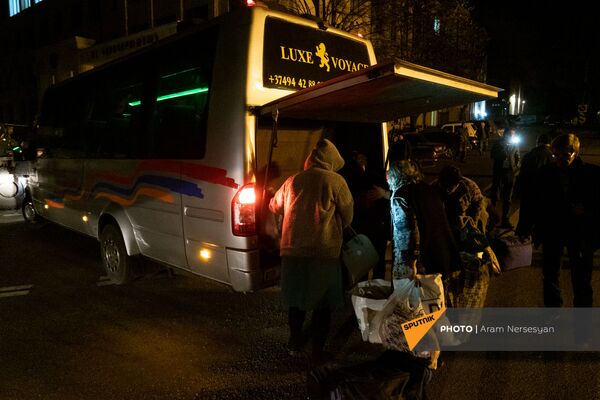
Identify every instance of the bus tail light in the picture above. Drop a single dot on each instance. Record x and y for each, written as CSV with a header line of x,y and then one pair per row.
x,y
243,211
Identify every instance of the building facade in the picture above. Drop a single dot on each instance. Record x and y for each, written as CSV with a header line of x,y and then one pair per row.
x,y
46,41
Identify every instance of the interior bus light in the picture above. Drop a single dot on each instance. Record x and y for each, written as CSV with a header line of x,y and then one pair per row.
x,y
243,211
173,95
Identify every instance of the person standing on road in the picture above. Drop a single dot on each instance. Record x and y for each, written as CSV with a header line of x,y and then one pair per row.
x,y
483,136
371,205
463,142
531,164
316,205
462,197
566,213
506,162
420,229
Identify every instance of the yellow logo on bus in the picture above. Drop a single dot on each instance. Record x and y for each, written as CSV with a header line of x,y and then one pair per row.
x,y
322,54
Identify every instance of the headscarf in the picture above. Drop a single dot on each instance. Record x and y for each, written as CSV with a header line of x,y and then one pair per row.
x,y
403,172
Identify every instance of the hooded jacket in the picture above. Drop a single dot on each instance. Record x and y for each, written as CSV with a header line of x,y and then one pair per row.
x,y
316,205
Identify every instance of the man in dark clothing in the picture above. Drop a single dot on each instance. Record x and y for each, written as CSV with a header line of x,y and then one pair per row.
x,y
532,162
483,135
566,213
506,161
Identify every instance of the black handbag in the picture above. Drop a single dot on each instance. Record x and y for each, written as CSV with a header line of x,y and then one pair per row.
x,y
469,237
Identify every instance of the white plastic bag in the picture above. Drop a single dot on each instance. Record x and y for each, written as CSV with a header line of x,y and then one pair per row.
x,y
431,291
404,304
411,299
368,299
374,300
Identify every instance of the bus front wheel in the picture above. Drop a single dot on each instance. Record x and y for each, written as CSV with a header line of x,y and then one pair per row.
x,y
117,263
28,210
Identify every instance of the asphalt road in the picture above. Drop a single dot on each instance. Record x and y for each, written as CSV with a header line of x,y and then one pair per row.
x,y
67,333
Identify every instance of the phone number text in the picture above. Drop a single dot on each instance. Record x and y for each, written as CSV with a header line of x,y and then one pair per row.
x,y
288,81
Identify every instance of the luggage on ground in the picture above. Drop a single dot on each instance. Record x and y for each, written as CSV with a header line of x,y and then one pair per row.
x,y
511,251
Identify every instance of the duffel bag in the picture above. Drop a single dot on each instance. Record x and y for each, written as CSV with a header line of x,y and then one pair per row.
x,y
511,251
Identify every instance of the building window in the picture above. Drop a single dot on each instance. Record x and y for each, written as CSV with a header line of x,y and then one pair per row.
x,y
436,25
16,6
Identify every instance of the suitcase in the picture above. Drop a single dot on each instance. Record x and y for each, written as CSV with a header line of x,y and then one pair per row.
x,y
511,251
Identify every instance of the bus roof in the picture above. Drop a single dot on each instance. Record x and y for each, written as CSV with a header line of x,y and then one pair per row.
x,y
381,93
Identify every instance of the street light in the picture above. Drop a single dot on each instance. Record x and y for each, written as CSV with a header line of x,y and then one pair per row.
x,y
523,107
511,104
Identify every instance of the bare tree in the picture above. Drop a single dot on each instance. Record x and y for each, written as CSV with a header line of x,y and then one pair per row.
x,y
436,33
347,15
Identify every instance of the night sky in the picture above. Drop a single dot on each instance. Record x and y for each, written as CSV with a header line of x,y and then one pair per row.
x,y
551,50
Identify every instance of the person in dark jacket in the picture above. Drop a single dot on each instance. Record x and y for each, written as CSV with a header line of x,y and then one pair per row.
x,y
316,205
399,146
371,205
420,230
506,162
566,213
531,164
462,197
483,135
462,142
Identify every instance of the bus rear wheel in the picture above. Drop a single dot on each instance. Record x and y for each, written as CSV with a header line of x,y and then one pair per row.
x,y
117,263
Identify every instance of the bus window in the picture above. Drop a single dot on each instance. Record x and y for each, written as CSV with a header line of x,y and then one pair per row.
x,y
114,121
64,111
178,126
180,110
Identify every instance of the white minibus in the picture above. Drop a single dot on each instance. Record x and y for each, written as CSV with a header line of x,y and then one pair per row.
x,y
163,154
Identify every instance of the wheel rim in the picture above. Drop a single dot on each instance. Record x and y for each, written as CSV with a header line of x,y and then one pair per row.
x,y
112,256
29,211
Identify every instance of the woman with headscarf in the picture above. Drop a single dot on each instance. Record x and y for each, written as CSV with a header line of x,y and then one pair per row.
x,y
421,235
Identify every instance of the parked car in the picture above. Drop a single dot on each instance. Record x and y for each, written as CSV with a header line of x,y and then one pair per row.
x,y
442,138
424,150
454,127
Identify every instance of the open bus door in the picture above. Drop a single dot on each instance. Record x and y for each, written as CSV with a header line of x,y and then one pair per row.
x,y
373,95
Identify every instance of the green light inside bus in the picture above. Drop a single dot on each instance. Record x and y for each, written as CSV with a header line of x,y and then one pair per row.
x,y
173,95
